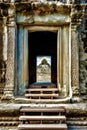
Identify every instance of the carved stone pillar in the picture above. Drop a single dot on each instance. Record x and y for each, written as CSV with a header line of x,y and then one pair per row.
x,y
9,86
76,17
74,61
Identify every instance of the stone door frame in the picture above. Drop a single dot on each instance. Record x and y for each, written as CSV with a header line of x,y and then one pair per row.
x,y
67,39
63,57
66,21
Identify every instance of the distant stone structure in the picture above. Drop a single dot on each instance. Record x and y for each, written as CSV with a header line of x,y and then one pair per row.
x,y
44,71
67,20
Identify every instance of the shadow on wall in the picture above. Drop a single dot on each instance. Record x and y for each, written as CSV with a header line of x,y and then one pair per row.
x,y
77,128
2,71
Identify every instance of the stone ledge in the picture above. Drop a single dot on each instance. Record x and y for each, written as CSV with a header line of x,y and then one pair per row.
x,y
77,127
72,110
9,109
8,128
76,114
76,123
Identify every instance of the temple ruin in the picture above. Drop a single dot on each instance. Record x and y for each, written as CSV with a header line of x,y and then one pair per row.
x,y
43,64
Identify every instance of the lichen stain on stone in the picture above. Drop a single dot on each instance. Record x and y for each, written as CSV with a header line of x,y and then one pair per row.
x,y
41,9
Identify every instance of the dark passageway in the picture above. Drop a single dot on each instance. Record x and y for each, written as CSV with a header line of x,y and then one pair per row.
x,y
42,44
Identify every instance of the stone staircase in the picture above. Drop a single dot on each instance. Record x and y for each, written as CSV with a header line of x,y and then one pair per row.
x,y
42,118
42,91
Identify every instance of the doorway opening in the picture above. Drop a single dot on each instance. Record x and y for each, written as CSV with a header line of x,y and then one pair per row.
x,y
42,44
43,69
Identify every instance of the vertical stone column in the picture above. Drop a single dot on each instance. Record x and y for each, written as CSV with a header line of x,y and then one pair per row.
x,y
65,61
9,86
1,39
74,61
4,39
76,16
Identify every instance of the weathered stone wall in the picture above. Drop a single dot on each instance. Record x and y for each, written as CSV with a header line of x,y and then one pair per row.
x,y
40,13
76,116
1,39
76,113
2,63
83,60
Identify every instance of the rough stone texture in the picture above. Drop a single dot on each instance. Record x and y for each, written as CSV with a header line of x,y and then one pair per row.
x,y
41,8
10,61
2,62
9,114
74,61
1,39
8,128
76,113
9,86
71,108
83,61
76,20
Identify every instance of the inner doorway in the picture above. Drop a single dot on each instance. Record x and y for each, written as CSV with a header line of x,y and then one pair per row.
x,y
42,44
43,69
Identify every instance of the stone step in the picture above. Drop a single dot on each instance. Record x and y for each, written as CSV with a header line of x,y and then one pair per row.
x,y
42,117
42,127
42,85
42,90
48,110
41,95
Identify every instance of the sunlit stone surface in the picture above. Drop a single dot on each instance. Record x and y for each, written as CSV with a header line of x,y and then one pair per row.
x,y
66,18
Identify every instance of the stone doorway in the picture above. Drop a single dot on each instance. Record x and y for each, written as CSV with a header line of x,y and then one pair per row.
x,y
43,69
59,48
42,44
